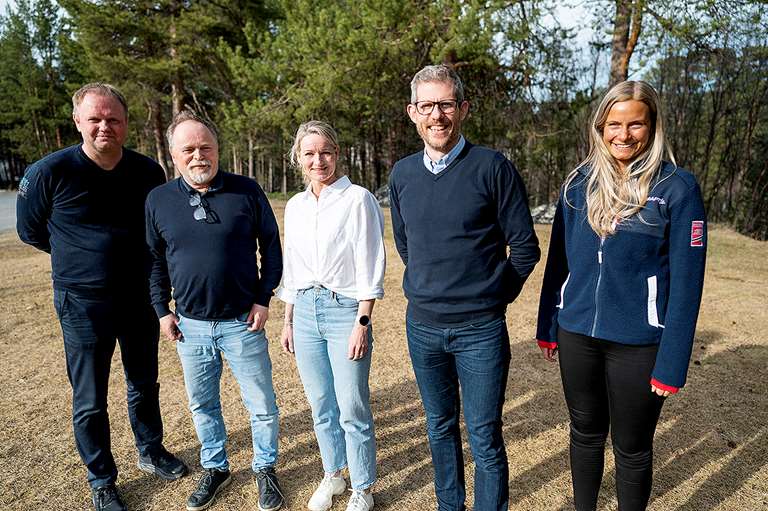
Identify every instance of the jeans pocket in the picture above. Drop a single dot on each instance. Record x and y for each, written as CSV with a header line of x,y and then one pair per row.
x,y
494,323
242,318
60,302
344,301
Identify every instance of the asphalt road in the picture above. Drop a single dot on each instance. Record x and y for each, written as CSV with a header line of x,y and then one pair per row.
x,y
7,210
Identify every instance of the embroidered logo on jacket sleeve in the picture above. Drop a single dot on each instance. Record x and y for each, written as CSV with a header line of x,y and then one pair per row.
x,y
697,233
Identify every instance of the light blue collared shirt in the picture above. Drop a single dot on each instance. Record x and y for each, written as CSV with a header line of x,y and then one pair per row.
x,y
439,165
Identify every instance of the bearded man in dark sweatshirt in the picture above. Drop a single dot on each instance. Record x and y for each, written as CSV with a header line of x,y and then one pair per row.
x,y
463,229
215,249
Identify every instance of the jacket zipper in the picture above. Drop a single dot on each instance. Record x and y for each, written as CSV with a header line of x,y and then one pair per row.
x,y
597,286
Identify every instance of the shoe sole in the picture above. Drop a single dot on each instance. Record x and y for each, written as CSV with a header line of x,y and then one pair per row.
x,y
271,508
330,505
208,504
168,476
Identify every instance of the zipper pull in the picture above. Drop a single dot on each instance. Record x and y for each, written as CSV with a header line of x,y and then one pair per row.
x,y
600,250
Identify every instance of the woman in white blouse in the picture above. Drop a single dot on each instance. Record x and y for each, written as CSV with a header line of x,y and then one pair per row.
x,y
333,272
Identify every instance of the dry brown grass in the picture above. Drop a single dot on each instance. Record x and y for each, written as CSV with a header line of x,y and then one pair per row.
x,y
710,447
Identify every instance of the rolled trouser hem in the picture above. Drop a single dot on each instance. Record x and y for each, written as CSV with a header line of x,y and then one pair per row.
x,y
221,468
365,486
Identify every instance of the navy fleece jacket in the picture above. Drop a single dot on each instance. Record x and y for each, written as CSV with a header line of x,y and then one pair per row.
x,y
642,285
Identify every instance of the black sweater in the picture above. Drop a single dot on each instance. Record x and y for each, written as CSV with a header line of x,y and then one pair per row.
x,y
452,231
211,263
89,219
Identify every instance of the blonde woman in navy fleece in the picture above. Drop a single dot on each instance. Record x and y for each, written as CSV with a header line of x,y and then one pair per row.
x,y
621,291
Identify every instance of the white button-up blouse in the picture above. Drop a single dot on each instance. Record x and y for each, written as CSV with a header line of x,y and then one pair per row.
x,y
335,241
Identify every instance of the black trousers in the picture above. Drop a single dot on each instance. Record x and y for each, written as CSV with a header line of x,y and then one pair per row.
x,y
91,326
607,386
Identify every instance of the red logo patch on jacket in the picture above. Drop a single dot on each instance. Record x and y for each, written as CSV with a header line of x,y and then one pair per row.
x,y
697,233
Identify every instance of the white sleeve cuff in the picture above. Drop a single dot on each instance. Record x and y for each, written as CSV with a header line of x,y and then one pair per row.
x,y
286,295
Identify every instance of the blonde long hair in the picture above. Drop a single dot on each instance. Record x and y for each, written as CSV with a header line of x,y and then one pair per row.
x,y
613,195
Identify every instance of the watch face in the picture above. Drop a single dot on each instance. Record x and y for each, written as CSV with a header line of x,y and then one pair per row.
x,y
364,320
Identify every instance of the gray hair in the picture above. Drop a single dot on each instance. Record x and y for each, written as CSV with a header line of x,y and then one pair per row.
x,y
439,73
189,115
101,89
321,128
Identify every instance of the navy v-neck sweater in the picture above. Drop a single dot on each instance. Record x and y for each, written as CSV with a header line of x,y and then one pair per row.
x,y
465,235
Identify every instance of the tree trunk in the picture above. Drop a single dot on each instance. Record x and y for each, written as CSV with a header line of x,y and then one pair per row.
x,y
250,155
629,15
156,115
270,176
177,83
284,182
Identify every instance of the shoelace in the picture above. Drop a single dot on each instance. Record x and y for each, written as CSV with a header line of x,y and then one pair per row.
x,y
327,482
357,501
105,495
270,486
204,483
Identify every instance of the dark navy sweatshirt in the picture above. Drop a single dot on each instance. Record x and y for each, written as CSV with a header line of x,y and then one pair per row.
x,y
465,235
89,219
211,263
642,285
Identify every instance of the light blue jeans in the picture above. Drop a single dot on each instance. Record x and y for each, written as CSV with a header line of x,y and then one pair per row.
x,y
336,387
200,352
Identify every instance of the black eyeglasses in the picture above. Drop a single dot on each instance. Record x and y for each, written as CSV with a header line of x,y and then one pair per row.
x,y
447,106
201,206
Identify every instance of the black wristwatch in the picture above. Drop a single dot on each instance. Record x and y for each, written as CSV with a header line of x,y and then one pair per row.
x,y
364,320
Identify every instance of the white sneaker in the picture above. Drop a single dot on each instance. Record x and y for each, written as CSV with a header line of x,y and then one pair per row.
x,y
322,499
360,501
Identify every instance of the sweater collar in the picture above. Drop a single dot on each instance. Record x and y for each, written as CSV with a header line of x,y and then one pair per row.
x,y
216,184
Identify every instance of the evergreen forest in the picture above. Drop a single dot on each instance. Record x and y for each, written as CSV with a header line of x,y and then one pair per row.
x,y
258,68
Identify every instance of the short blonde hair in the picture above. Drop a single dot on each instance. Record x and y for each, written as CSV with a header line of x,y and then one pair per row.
x,y
102,89
321,128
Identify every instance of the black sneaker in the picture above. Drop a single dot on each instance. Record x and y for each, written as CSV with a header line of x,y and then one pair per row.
x,y
163,464
270,494
212,482
106,498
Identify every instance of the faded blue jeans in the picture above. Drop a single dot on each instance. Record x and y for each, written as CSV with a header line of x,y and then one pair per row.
x,y
336,387
476,359
200,351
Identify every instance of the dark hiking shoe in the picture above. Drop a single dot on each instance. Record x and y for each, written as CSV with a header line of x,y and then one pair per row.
x,y
210,485
270,494
163,464
106,498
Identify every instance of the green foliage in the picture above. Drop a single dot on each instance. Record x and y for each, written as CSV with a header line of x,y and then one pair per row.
x,y
260,68
34,117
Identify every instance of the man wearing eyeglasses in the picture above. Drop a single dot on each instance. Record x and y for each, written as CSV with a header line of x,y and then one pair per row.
x,y
204,230
84,205
463,229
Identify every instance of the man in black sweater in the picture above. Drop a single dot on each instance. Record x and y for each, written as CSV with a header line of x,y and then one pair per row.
x,y
84,205
204,230
463,229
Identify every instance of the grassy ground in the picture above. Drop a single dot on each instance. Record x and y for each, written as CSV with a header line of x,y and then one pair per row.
x,y
710,446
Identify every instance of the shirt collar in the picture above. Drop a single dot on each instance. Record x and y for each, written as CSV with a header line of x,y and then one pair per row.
x,y
335,188
445,160
214,186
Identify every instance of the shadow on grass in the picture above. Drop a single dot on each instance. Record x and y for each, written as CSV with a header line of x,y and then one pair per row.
x,y
711,439
712,435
